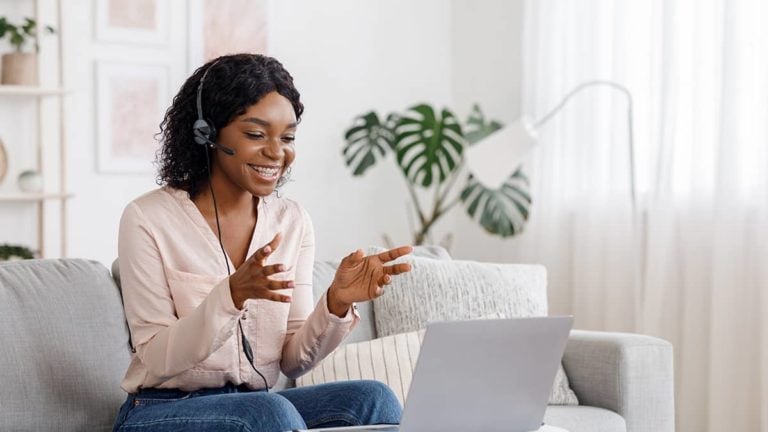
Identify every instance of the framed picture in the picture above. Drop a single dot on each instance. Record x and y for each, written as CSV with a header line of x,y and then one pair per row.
x,y
220,27
131,100
132,21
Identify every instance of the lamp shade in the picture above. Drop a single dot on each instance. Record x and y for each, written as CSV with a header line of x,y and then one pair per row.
x,y
493,159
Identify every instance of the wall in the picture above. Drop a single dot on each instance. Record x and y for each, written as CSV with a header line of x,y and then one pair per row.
x,y
94,211
347,57
487,70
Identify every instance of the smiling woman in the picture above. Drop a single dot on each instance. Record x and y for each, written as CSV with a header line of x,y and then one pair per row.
x,y
227,145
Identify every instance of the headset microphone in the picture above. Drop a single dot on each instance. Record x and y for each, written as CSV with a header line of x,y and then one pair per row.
x,y
201,132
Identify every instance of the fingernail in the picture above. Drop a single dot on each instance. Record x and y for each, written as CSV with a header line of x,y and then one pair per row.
x,y
287,299
290,284
267,249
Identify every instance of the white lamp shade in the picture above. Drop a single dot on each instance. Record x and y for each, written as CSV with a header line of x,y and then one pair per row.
x,y
496,157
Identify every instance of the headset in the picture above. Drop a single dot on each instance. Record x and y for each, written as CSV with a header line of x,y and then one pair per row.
x,y
204,133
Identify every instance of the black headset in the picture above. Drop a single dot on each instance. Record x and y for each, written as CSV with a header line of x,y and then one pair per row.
x,y
203,131
205,134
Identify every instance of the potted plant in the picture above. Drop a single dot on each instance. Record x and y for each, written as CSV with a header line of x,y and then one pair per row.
x,y
429,151
19,67
10,252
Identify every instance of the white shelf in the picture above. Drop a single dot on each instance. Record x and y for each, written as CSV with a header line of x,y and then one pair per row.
x,y
23,196
17,90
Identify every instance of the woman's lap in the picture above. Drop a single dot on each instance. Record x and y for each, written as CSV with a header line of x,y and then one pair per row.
x,y
345,403
335,404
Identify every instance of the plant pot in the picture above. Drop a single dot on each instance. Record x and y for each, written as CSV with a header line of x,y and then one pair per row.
x,y
19,69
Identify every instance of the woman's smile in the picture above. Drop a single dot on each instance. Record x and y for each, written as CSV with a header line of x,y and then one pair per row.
x,y
269,173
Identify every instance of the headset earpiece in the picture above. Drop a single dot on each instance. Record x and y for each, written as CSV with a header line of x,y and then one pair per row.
x,y
203,132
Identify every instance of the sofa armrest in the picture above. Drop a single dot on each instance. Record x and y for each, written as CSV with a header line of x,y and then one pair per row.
x,y
629,374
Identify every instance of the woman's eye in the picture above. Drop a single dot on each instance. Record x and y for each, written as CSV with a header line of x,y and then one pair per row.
x,y
254,135
289,139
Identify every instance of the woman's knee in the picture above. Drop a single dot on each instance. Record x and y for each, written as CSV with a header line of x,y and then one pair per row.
x,y
267,412
378,403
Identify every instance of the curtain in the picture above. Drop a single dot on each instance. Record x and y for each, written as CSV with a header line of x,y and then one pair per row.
x,y
687,260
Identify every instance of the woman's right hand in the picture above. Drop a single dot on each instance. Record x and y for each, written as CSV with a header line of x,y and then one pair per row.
x,y
251,280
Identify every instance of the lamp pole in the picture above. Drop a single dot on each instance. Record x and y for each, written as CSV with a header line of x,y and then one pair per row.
x,y
548,116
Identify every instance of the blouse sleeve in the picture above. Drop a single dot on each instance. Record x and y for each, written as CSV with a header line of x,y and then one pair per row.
x,y
165,344
312,332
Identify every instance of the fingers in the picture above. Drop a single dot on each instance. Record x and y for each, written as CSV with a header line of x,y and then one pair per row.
x,y
394,254
355,257
278,285
278,297
397,269
273,269
262,253
385,280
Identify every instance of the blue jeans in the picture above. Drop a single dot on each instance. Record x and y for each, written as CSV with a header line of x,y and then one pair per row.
x,y
235,408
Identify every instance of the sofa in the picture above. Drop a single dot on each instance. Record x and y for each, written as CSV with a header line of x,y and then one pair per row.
x,y
65,350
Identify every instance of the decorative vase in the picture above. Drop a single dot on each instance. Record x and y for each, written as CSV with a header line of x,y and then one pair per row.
x,y
19,69
30,181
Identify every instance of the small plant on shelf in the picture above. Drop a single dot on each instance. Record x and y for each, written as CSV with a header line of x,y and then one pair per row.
x,y
20,67
19,35
9,252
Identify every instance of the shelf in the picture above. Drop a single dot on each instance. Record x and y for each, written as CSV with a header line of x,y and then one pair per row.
x,y
22,196
17,90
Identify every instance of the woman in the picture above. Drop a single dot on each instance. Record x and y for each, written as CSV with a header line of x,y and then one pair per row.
x,y
209,344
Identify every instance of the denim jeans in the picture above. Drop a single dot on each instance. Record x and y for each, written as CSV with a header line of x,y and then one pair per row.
x,y
235,408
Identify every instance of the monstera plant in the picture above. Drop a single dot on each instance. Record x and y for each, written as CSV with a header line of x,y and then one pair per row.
x,y
428,149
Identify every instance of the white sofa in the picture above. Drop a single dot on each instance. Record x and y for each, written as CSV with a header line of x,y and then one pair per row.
x,y
65,350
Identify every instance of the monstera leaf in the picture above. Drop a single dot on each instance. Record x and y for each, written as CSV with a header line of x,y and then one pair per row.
x,y
477,127
428,146
367,140
503,211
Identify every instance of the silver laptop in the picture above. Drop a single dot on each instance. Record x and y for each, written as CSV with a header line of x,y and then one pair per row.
x,y
483,375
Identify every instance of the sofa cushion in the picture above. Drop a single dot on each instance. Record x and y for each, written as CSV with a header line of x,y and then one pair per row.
x,y
65,346
584,419
459,290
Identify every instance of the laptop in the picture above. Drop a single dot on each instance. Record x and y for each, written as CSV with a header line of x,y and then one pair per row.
x,y
482,375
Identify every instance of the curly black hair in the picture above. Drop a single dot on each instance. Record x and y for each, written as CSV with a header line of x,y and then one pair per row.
x,y
234,83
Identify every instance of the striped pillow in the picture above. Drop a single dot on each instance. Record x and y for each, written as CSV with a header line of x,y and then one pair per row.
x,y
391,360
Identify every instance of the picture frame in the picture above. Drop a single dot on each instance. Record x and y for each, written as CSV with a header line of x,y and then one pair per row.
x,y
132,21
131,99
220,27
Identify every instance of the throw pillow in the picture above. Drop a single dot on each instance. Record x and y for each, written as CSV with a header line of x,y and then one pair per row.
x,y
459,290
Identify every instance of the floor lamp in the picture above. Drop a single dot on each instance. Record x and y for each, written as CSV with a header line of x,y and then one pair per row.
x,y
512,143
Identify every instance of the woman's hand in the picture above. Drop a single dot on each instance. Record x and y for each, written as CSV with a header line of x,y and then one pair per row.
x,y
361,278
251,280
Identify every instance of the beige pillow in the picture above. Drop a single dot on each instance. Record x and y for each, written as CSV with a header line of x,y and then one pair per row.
x,y
391,360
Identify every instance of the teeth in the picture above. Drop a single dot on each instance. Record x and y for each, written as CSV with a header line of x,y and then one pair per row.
x,y
266,172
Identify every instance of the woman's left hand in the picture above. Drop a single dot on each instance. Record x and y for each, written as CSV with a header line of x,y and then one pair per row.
x,y
361,278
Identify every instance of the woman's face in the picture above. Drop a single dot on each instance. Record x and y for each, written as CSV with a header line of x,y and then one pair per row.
x,y
262,139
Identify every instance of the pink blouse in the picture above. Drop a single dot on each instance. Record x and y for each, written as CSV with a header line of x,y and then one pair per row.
x,y
183,322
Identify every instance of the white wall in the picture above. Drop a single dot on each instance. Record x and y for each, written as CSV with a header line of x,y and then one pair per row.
x,y
347,57
487,70
99,198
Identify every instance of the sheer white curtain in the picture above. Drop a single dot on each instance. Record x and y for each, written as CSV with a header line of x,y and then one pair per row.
x,y
691,263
